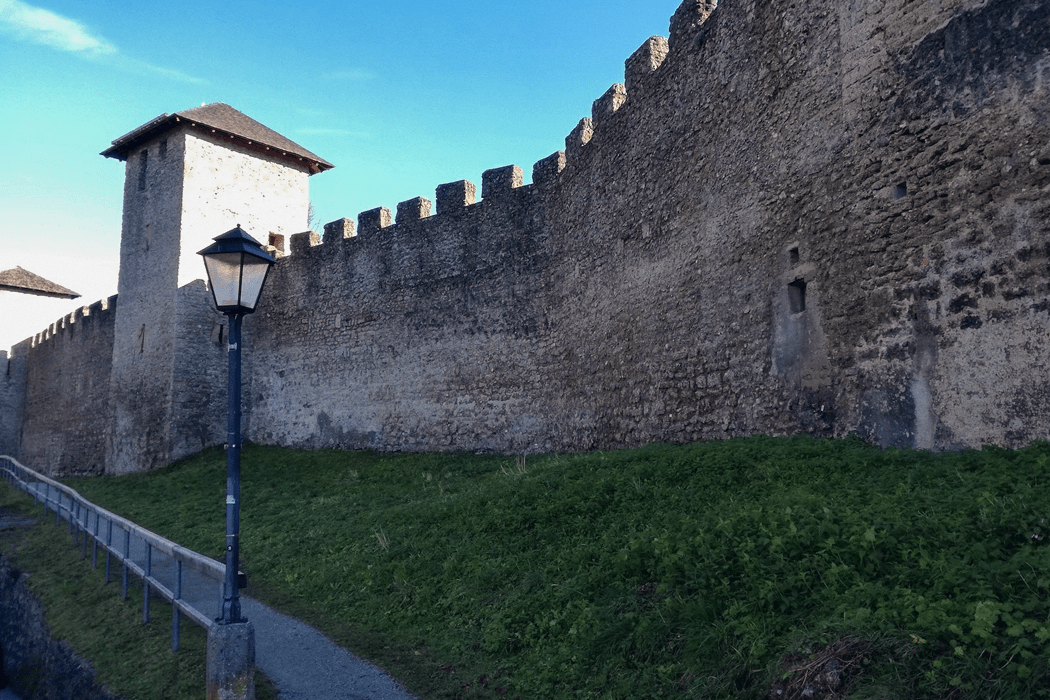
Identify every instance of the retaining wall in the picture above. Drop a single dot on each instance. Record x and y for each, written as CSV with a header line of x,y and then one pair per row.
x,y
38,666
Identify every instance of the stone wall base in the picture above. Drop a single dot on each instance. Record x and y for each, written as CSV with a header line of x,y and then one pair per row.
x,y
39,667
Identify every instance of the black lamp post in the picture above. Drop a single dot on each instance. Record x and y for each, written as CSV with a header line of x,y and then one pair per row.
x,y
237,267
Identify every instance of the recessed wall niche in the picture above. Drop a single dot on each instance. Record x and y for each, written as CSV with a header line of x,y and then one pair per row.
x,y
797,295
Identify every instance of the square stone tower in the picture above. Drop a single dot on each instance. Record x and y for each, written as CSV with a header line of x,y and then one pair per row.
x,y
189,177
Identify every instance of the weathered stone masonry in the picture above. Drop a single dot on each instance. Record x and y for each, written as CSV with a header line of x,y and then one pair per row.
x,y
68,370
824,217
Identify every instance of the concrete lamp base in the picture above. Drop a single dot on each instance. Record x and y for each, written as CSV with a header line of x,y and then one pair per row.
x,y
230,673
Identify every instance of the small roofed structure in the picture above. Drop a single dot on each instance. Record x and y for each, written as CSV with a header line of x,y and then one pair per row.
x,y
25,282
220,118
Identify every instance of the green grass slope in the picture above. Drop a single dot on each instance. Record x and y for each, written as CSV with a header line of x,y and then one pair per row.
x,y
788,567
133,660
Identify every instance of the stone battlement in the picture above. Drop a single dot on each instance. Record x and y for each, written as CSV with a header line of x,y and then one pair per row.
x,y
96,312
809,217
453,196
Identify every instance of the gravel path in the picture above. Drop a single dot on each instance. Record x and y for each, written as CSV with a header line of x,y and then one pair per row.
x,y
306,665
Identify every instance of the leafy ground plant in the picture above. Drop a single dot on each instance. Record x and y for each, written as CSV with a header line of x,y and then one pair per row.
x,y
714,570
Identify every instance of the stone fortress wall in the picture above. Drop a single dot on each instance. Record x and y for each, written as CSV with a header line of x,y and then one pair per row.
x,y
815,217
792,217
64,376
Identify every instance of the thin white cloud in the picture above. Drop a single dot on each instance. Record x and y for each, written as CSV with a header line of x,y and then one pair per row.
x,y
141,68
41,26
45,27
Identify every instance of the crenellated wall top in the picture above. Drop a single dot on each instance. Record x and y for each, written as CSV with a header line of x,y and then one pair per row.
x,y
100,312
640,70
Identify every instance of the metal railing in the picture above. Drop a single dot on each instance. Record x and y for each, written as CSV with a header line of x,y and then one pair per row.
x,y
184,578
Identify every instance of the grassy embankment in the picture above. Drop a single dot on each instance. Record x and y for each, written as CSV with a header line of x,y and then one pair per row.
x,y
710,570
133,659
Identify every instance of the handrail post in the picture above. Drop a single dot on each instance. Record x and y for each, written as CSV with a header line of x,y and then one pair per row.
x,y
94,545
127,556
109,544
175,606
145,582
82,526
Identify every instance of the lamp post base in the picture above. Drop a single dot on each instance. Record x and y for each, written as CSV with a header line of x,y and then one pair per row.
x,y
230,672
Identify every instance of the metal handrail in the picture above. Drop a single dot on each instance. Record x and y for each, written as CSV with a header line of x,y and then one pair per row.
x,y
81,514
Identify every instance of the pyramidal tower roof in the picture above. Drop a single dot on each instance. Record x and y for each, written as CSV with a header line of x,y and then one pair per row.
x,y
26,282
221,119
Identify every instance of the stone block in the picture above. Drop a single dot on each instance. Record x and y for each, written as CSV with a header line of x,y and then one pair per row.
x,y
455,195
230,665
413,209
578,138
338,230
606,105
547,169
373,220
644,62
686,21
301,242
498,180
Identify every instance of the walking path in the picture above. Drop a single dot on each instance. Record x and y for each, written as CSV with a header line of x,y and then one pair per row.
x,y
302,663
306,665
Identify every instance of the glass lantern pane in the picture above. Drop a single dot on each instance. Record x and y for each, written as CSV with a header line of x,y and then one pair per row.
x,y
224,275
252,279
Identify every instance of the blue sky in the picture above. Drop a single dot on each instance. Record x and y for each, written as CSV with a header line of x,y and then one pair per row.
x,y
400,95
